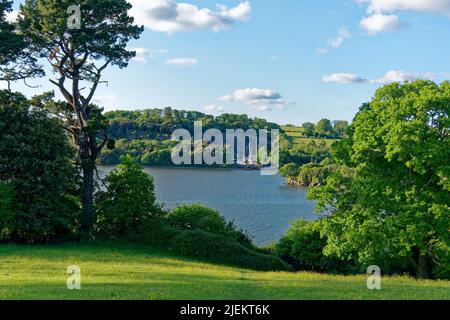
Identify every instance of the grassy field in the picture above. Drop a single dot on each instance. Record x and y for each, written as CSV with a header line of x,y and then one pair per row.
x,y
296,136
39,272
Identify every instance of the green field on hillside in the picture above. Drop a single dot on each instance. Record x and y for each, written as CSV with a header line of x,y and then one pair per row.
x,y
39,272
297,137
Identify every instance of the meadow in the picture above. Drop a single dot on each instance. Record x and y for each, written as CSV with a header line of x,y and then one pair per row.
x,y
297,137
122,272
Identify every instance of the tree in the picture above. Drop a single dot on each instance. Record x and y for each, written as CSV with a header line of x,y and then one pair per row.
x,y
79,55
310,129
339,128
16,61
390,198
324,128
302,247
36,172
129,200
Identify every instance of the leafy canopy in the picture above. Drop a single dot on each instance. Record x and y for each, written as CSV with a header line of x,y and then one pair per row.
x,y
390,197
128,201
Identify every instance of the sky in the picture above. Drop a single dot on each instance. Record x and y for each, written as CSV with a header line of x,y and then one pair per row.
x,y
287,61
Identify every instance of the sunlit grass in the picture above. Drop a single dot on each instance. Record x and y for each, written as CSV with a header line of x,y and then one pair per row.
x,y
297,137
138,273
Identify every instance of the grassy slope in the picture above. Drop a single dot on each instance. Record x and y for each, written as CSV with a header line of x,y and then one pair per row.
x,y
296,135
136,273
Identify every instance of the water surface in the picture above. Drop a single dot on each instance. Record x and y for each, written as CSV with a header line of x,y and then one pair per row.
x,y
262,205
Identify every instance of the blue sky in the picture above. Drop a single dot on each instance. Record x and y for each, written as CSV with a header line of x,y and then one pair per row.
x,y
288,61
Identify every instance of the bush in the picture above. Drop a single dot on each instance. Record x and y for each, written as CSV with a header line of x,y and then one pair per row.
x,y
312,175
302,248
36,162
219,249
290,170
198,217
129,201
155,232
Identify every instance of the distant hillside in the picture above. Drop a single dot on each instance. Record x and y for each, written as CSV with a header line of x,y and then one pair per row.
x,y
146,135
159,124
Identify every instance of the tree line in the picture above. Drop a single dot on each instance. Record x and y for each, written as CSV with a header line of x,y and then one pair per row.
x,y
326,128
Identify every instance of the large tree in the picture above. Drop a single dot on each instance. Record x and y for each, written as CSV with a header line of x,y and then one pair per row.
x,y
391,196
79,55
16,60
324,128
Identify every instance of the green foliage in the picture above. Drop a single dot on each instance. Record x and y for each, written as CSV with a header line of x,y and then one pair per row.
x,y
104,34
6,211
128,202
159,124
340,127
15,60
324,128
302,247
219,249
155,232
309,129
313,175
393,201
79,55
290,170
35,161
198,217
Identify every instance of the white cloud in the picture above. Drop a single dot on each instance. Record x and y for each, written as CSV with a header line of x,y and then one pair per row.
x,y
105,100
171,16
389,77
259,99
322,51
381,15
184,62
378,23
431,6
336,42
343,78
402,76
214,108
143,55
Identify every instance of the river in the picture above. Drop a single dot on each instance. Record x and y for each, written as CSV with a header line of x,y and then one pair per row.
x,y
262,205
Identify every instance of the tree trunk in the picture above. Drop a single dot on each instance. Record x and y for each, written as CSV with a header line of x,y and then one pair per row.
x,y
87,201
422,267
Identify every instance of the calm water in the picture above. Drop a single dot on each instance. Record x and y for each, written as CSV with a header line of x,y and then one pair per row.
x,y
262,205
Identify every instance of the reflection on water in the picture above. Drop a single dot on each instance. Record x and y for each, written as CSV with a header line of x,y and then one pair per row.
x,y
262,205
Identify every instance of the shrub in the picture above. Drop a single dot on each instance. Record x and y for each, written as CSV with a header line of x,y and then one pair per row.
x,y
290,170
302,247
198,217
315,174
155,232
128,202
219,249
36,162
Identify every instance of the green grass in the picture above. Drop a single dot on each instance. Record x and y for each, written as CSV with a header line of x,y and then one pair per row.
x,y
39,272
297,137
